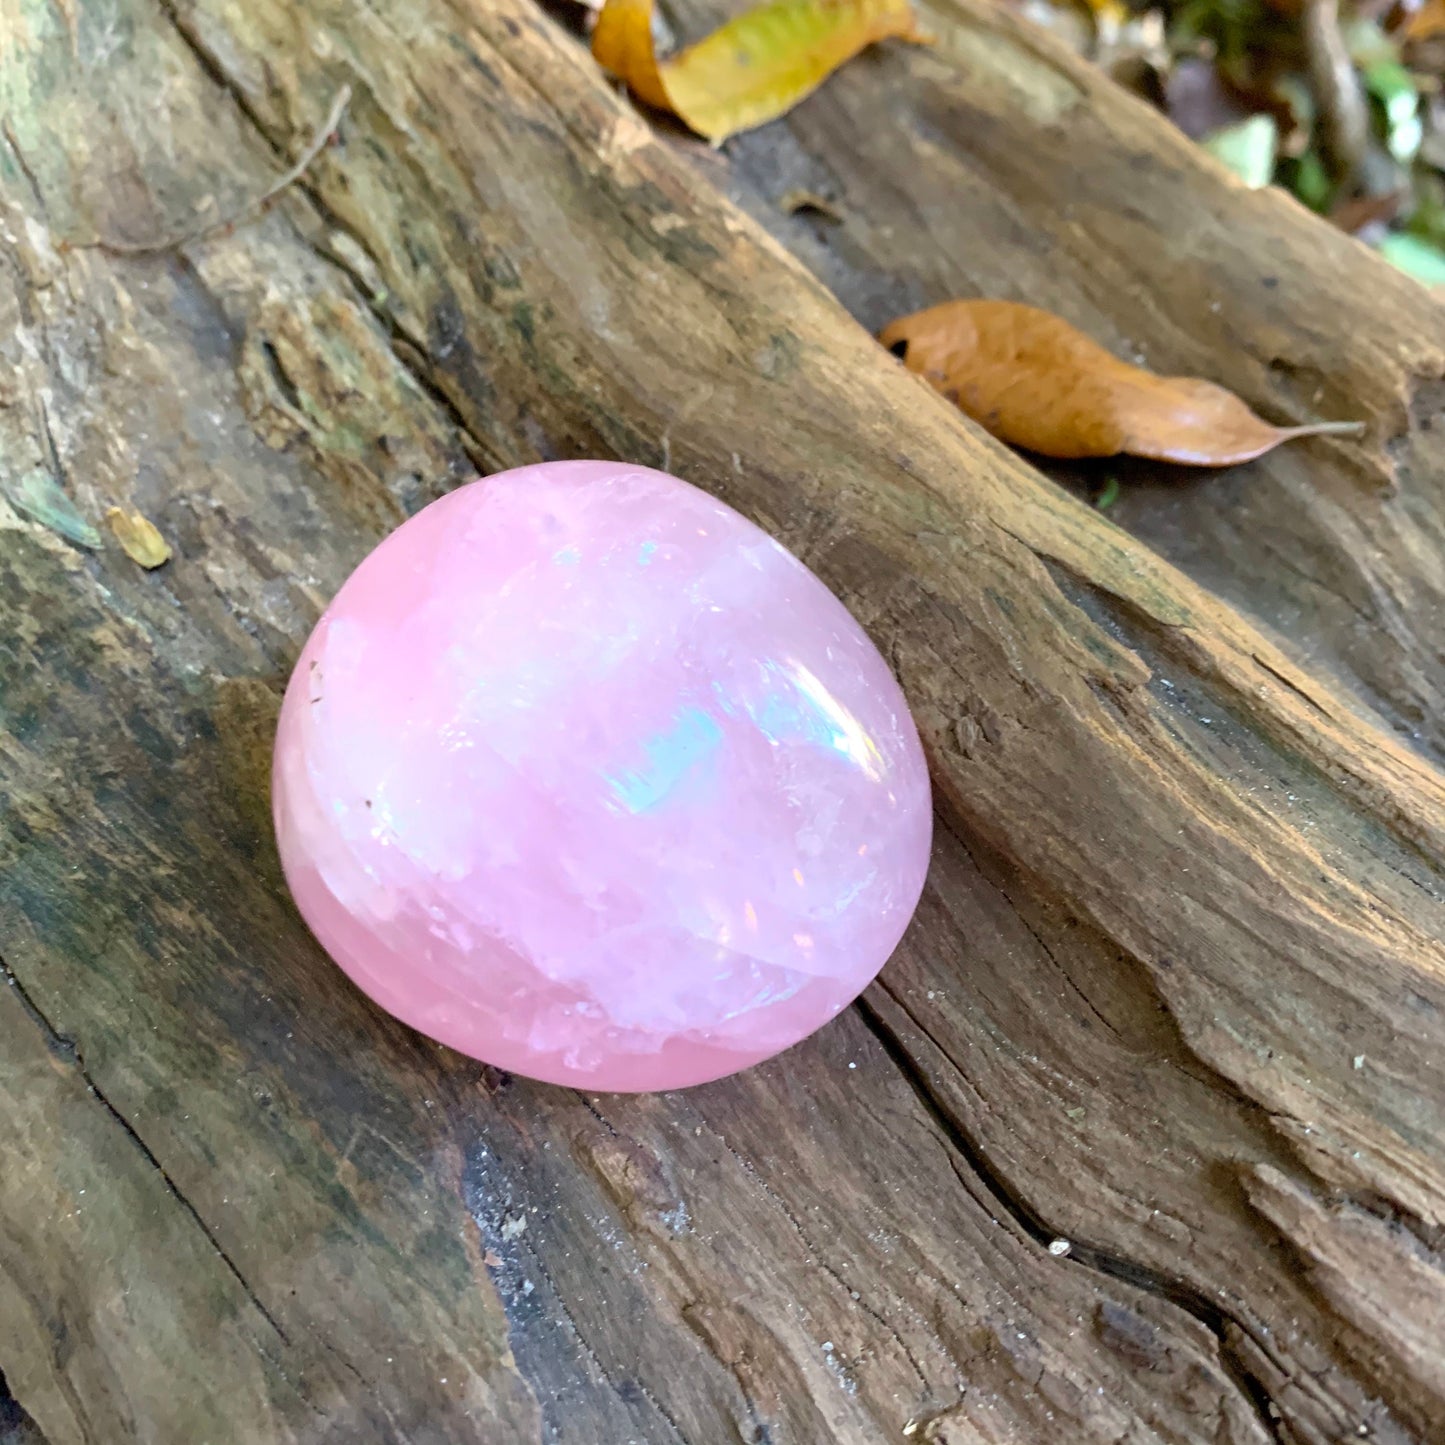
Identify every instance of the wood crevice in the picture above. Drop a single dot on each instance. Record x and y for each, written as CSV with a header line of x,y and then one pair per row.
x,y
410,350
1140,1276
70,1052
16,1425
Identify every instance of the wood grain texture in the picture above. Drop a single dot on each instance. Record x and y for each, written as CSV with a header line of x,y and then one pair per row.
x,y
1174,993
997,164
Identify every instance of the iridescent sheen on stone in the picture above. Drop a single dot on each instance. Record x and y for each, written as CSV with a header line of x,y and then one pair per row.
x,y
585,775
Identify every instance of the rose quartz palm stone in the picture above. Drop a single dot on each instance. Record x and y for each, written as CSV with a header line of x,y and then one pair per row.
x,y
586,776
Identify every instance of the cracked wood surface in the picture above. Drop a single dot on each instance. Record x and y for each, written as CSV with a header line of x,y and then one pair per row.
x,y
1175,989
997,164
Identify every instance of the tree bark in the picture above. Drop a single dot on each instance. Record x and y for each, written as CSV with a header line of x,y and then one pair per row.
x,y
997,164
1175,991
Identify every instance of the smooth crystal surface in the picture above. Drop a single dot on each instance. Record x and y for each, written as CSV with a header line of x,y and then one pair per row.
x,y
585,775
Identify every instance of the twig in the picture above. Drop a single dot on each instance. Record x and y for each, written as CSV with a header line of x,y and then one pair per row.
x,y
24,165
1344,117
187,238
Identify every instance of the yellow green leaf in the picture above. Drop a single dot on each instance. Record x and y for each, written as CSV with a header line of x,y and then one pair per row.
x,y
751,70
622,43
138,537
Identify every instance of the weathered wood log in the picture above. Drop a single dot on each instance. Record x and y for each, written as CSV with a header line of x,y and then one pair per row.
x,y
1174,993
997,164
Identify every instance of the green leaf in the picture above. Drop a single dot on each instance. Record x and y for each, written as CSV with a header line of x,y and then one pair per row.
x,y
1427,221
1367,43
1310,181
1394,87
1423,261
1248,148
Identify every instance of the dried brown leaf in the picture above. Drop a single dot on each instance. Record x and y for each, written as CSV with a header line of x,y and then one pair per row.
x,y
138,538
1354,215
1427,21
1034,381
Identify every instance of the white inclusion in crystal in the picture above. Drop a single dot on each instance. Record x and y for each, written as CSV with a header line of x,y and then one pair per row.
x,y
670,757
837,908
771,985
804,710
724,700
453,738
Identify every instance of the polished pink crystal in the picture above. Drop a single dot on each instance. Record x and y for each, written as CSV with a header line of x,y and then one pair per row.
x,y
585,775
